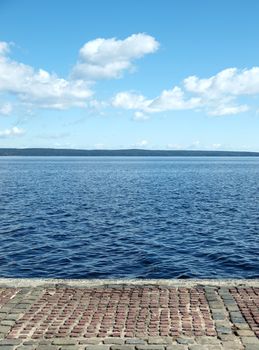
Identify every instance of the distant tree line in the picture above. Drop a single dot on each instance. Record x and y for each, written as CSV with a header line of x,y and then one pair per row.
x,y
121,153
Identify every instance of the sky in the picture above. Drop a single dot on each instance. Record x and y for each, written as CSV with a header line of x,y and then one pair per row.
x,y
109,74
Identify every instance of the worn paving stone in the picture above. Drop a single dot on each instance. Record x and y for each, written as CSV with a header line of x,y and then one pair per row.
x,y
115,341
245,333
185,340
247,300
160,311
66,341
135,341
8,323
232,345
150,347
122,347
219,316
242,326
204,347
97,347
251,347
250,340
224,330
47,347
159,340
6,294
228,337
208,340
10,342
129,318
91,341
29,342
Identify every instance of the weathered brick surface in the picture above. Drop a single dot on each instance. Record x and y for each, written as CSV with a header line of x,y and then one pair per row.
x,y
247,300
129,318
116,312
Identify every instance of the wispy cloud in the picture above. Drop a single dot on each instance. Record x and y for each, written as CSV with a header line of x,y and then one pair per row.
x,y
141,144
6,109
14,131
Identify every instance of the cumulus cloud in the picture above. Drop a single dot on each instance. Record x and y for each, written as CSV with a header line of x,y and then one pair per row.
x,y
230,81
130,100
109,58
173,99
39,87
6,109
216,95
14,131
98,59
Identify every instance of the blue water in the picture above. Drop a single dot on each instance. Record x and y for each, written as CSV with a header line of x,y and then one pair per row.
x,y
129,217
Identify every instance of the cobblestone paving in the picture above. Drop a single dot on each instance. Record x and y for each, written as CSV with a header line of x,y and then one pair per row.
x,y
5,295
129,318
248,302
128,312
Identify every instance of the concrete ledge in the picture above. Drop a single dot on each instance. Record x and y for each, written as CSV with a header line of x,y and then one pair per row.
x,y
39,282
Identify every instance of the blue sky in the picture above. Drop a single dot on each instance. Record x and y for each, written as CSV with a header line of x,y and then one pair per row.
x,y
161,74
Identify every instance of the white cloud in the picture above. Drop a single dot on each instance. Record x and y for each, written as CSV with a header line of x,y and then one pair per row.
x,y
173,99
230,81
168,100
4,48
6,109
196,145
99,146
130,100
39,87
142,144
97,104
140,116
109,58
216,145
14,131
216,96
219,92
221,110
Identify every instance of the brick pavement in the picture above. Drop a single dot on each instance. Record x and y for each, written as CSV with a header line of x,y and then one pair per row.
x,y
129,317
248,302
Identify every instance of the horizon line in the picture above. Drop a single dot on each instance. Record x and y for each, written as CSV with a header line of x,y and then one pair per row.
x,y
122,150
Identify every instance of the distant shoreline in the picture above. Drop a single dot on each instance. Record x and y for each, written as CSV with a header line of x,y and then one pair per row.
x,y
56,152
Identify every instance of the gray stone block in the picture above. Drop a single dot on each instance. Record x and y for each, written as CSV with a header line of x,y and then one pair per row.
x,y
135,341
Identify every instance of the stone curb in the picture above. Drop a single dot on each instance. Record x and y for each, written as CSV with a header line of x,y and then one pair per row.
x,y
38,282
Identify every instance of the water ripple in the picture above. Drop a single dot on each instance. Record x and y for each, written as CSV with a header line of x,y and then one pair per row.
x,y
129,217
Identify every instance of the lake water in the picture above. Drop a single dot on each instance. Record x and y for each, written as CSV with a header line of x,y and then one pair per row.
x,y
129,217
